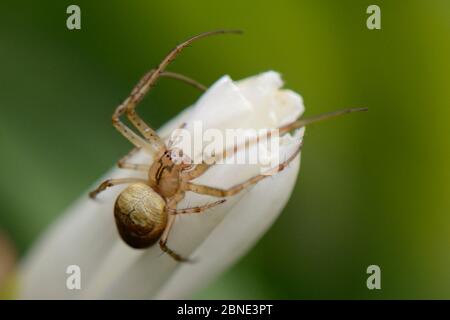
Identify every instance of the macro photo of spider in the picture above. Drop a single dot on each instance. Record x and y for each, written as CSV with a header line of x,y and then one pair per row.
x,y
145,211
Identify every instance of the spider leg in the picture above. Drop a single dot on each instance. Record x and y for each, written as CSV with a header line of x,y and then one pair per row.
x,y
217,192
113,182
171,204
124,164
139,123
184,79
149,80
300,123
137,95
154,144
196,172
163,242
198,209
130,135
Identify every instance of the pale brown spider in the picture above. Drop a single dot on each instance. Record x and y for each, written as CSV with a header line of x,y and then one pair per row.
x,y
146,209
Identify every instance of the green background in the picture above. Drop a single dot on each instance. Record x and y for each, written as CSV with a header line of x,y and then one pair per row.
x,y
373,188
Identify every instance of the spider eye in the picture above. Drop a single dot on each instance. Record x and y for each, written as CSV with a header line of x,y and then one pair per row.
x,y
177,156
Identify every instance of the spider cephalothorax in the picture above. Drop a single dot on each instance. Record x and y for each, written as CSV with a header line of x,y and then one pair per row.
x,y
165,174
145,210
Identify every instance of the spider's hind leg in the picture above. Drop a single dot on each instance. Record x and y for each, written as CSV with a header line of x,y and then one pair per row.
x,y
171,205
165,238
170,252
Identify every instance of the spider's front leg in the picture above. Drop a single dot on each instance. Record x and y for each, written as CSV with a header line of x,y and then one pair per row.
x,y
136,120
144,86
300,123
152,142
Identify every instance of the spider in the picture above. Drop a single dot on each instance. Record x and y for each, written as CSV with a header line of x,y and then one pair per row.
x,y
145,211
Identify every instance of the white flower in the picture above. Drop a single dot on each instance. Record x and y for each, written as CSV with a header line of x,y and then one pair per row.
x,y
86,234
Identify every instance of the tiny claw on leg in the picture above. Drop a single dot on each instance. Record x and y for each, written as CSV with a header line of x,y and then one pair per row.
x,y
173,254
103,186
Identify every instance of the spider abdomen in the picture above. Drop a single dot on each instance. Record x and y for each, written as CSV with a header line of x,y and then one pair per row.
x,y
140,215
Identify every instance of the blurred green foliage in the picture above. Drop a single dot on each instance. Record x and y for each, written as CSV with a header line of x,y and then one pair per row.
x,y
373,188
